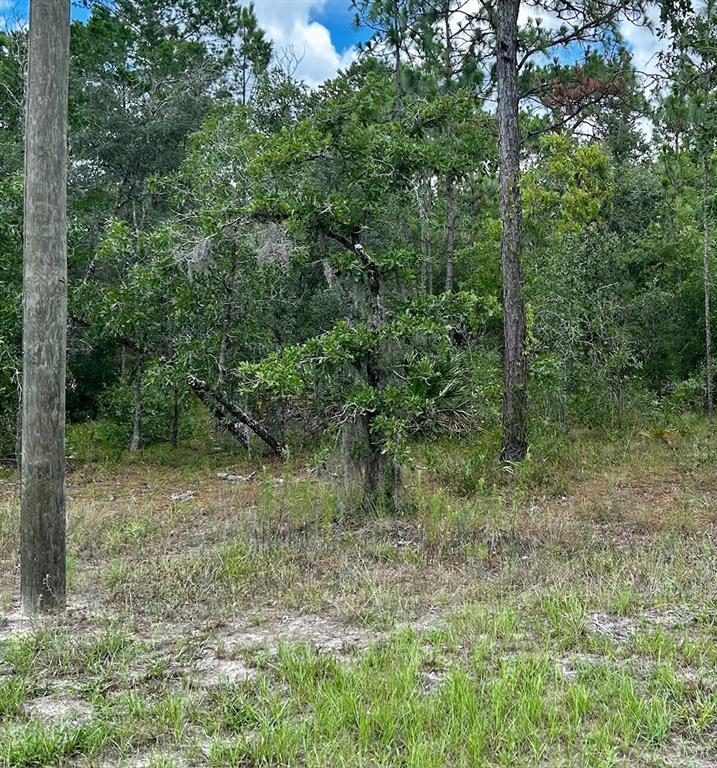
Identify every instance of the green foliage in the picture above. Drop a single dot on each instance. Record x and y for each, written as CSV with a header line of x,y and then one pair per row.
x,y
428,387
571,187
10,306
285,244
13,51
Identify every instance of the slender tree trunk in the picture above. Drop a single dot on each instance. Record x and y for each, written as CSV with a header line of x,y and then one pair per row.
x,y
244,69
451,198
424,209
137,413
123,362
42,555
227,318
448,49
174,434
137,223
221,427
138,372
706,283
398,77
451,219
515,370
224,345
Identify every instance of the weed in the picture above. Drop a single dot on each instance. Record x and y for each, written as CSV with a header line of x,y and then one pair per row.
x,y
558,614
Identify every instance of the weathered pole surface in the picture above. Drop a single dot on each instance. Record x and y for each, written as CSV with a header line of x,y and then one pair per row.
x,y
707,287
42,554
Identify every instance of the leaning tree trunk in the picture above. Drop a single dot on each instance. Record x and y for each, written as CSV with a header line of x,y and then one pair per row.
x,y
234,417
706,284
42,554
515,370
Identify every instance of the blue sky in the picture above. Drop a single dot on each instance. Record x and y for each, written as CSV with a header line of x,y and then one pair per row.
x,y
338,18
320,32
19,7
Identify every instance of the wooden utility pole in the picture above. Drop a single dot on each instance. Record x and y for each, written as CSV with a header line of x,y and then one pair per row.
x,y
706,283
42,555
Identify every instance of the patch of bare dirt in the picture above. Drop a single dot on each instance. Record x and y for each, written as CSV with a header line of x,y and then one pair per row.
x,y
678,756
620,628
431,619
572,664
79,617
432,680
59,708
14,624
623,628
214,670
223,649
319,632
669,618
146,760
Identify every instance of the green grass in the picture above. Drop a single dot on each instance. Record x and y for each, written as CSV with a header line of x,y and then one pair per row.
x,y
412,700
557,613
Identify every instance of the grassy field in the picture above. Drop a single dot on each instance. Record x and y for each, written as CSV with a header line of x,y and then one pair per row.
x,y
560,613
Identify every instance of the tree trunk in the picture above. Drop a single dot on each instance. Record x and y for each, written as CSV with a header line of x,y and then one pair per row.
x,y
368,480
137,412
398,77
451,219
369,477
515,370
42,555
451,199
174,433
233,416
424,209
235,428
224,347
227,318
123,362
706,284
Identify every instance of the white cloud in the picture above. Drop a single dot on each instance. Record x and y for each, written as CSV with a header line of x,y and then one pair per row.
x,y
642,41
644,44
288,23
546,19
4,6
11,16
